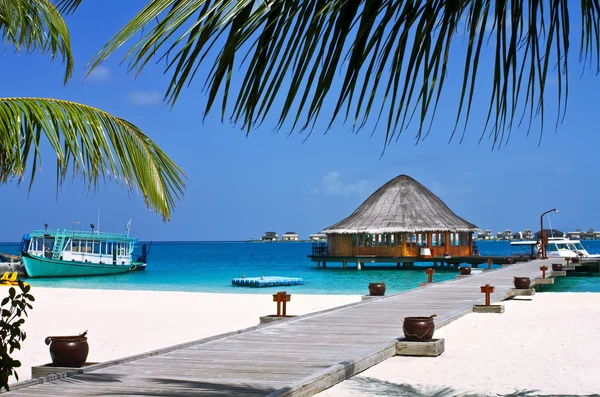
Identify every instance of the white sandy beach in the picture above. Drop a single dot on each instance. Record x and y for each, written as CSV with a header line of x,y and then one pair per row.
x,y
124,323
547,345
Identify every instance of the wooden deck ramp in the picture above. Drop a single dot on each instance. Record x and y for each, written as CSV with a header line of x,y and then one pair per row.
x,y
298,357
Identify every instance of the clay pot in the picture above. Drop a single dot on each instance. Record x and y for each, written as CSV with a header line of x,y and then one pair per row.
x,y
575,259
522,282
509,261
465,269
418,329
377,289
557,267
68,351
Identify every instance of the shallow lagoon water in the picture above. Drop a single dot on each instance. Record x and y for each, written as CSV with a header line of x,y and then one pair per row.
x,y
210,266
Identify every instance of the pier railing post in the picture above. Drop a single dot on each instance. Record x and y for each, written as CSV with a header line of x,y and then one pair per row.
x,y
281,298
543,269
489,263
430,272
487,290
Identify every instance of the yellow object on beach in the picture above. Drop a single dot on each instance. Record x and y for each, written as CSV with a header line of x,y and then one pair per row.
x,y
9,281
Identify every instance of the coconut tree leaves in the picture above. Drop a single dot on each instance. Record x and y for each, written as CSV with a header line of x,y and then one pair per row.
x,y
36,25
88,142
393,57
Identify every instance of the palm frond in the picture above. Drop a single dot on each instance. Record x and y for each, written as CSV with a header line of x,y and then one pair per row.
x,y
67,6
393,56
36,25
90,143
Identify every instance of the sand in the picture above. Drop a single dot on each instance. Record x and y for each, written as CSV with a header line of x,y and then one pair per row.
x,y
545,344
124,323
548,344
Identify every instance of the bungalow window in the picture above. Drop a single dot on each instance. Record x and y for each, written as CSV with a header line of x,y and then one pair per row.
x,y
373,240
354,240
360,240
392,240
425,242
442,239
419,240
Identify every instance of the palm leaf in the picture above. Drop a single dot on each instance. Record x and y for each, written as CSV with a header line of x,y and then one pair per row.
x,y
36,25
68,6
87,142
394,57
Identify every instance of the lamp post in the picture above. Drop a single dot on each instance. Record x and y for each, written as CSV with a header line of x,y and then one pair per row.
x,y
542,245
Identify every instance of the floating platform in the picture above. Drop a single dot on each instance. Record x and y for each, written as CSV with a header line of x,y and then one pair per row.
x,y
270,281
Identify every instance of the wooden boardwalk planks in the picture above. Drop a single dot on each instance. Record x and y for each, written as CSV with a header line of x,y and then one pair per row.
x,y
300,356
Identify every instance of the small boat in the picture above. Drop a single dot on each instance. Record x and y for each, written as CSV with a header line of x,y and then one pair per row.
x,y
557,247
561,245
64,253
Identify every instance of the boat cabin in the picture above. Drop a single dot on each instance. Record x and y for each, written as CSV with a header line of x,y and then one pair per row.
x,y
80,246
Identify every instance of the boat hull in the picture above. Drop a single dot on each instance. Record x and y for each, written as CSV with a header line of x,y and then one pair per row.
x,y
44,267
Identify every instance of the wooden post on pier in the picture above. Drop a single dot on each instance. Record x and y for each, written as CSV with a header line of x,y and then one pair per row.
x,y
281,298
430,273
543,269
568,260
345,264
487,290
489,263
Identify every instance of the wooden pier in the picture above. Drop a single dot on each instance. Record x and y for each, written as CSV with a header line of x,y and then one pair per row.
x,y
361,261
296,357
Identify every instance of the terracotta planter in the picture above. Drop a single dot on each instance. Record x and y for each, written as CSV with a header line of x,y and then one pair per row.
x,y
522,282
68,351
418,329
557,267
465,269
377,289
575,259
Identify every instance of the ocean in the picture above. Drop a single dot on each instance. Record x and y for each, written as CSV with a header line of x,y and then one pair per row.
x,y
210,266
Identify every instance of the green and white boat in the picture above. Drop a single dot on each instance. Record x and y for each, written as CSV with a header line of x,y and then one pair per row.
x,y
65,253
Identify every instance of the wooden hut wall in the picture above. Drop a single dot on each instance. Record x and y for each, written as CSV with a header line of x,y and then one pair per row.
x,y
400,244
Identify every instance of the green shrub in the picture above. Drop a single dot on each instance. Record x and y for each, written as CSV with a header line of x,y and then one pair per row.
x,y
13,307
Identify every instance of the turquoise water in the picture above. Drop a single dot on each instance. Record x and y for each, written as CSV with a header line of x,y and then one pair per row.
x,y
210,266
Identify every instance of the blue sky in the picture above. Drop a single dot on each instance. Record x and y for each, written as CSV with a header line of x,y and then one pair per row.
x,y
239,186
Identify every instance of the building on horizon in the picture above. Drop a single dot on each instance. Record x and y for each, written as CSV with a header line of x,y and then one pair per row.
x,y
401,219
317,237
485,235
270,236
578,234
524,235
505,235
290,236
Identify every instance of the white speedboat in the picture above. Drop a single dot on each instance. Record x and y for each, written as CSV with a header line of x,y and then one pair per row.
x,y
557,247
574,246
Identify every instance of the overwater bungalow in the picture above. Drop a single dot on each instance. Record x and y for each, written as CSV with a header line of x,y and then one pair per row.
x,y
401,219
290,236
270,236
318,237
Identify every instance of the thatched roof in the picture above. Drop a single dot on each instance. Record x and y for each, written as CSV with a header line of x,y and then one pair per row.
x,y
402,205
